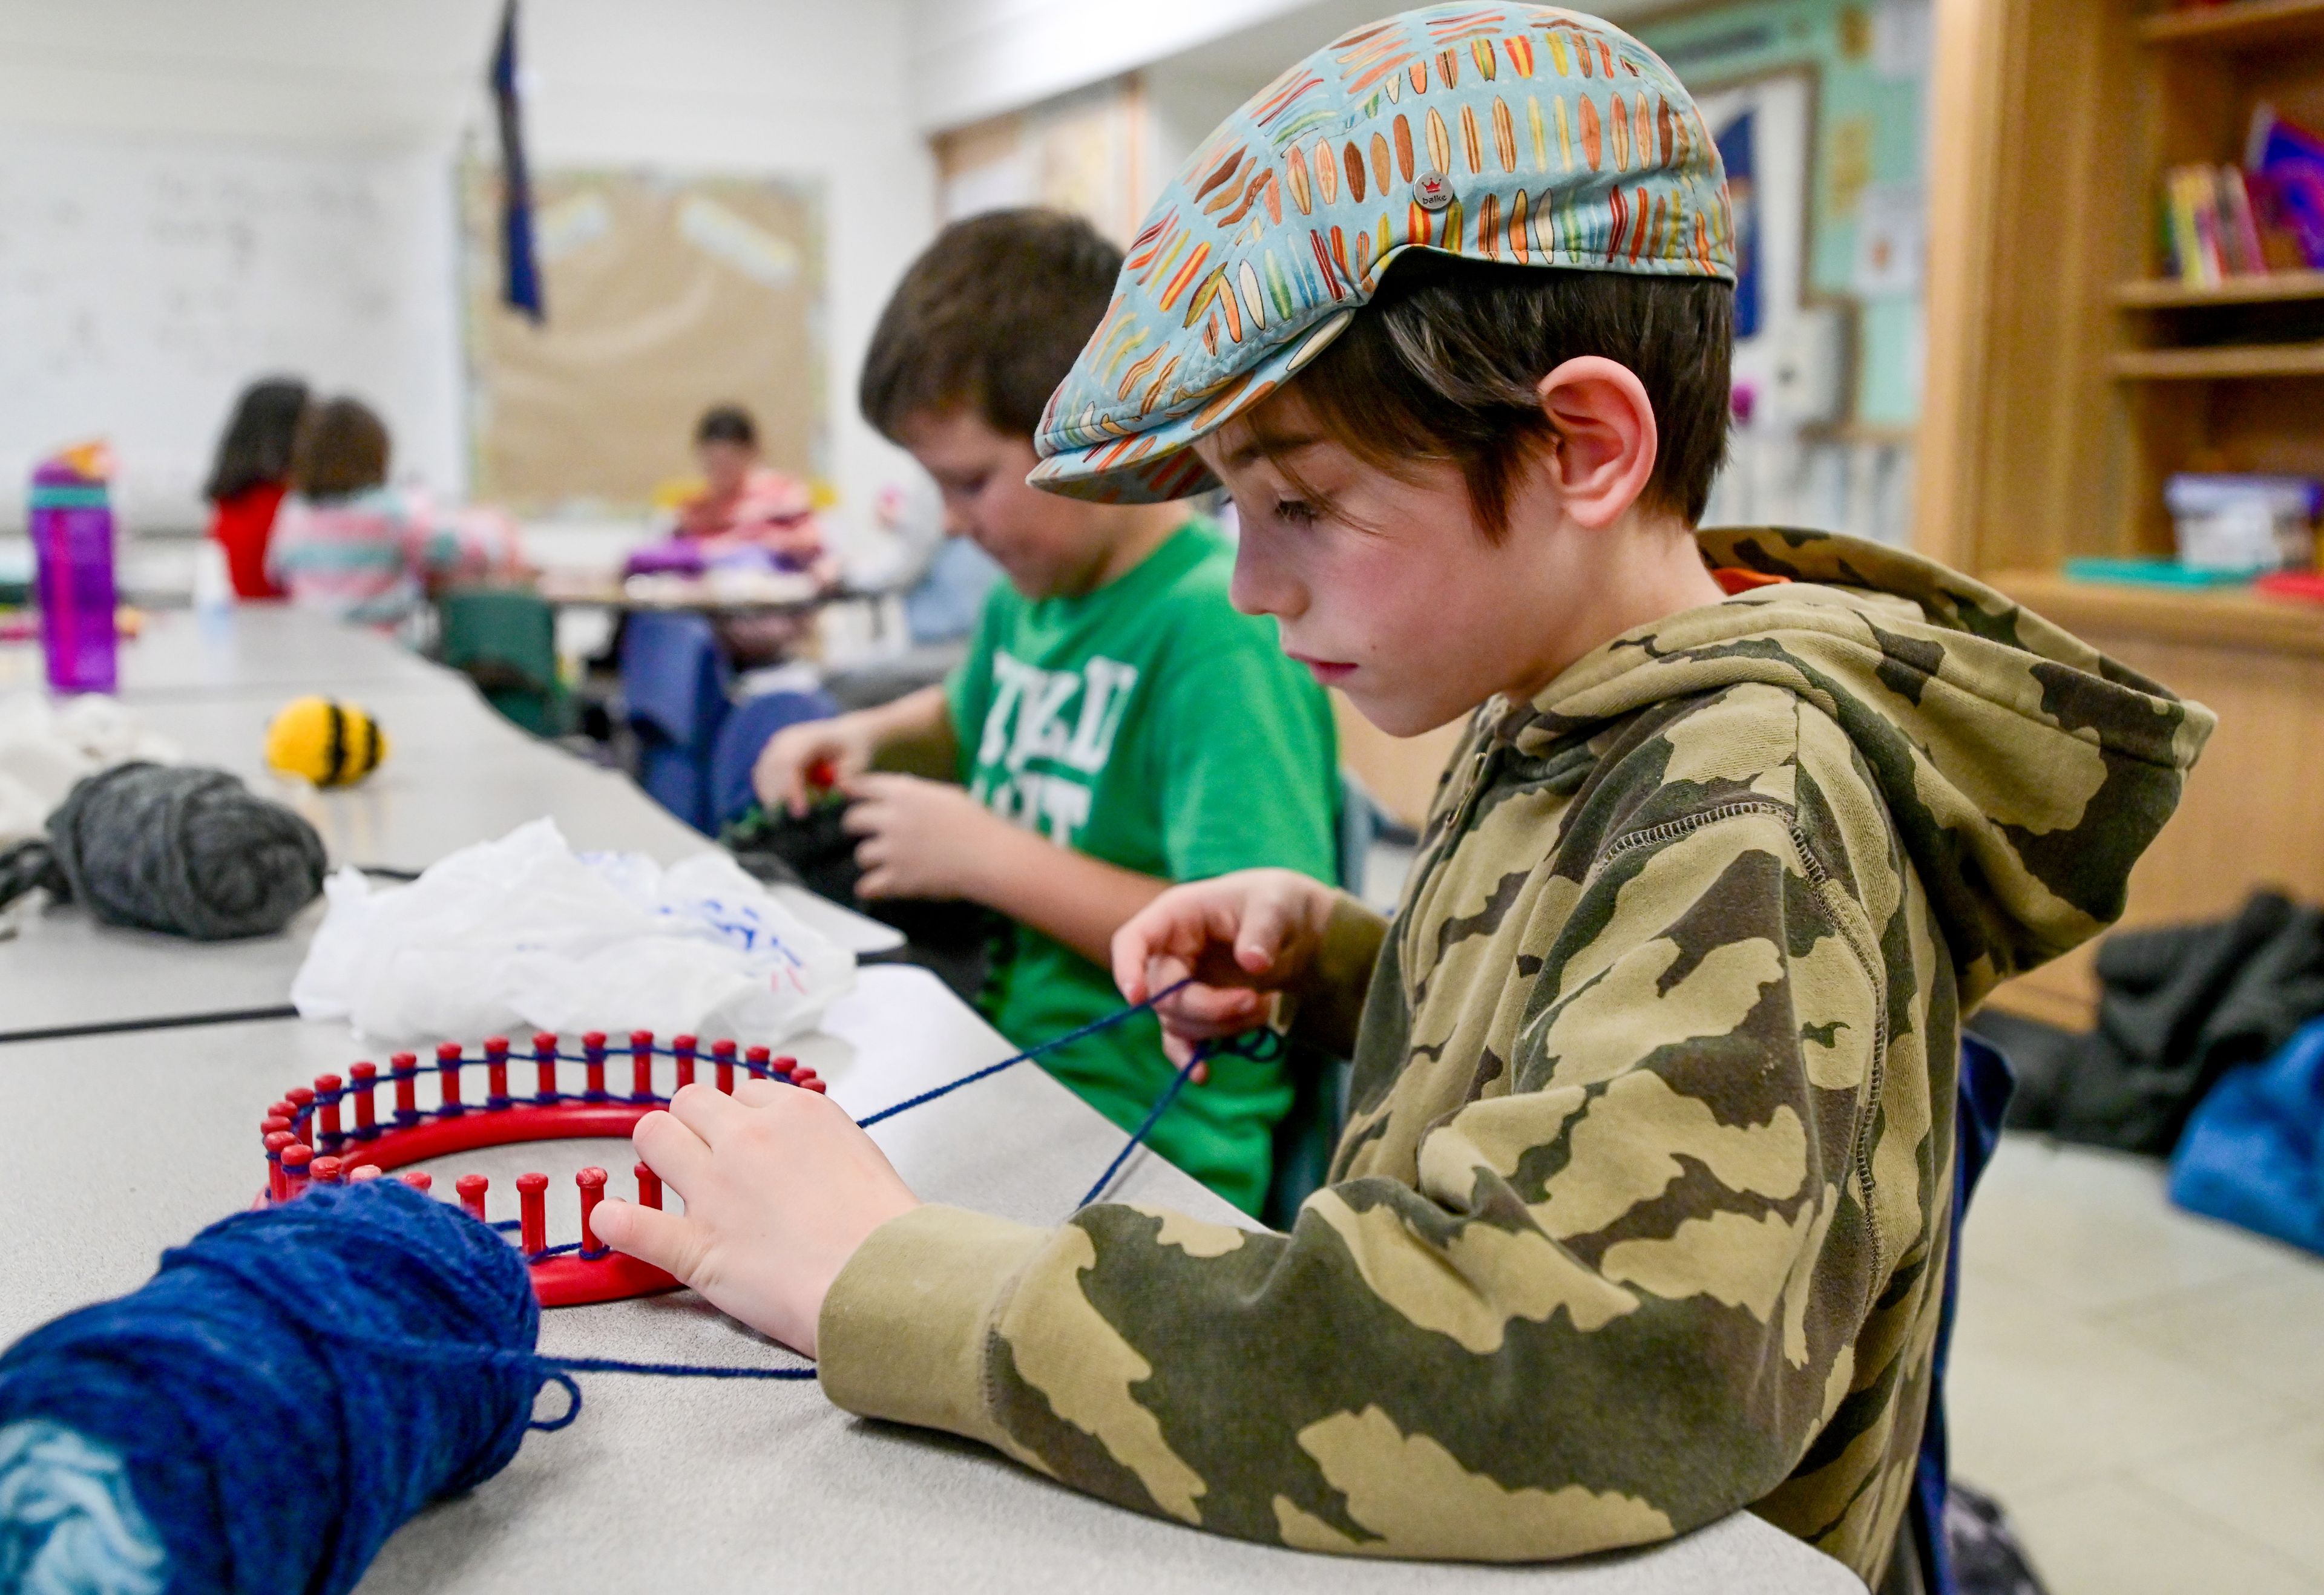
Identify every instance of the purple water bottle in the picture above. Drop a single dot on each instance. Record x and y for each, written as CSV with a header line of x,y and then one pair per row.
x,y
72,543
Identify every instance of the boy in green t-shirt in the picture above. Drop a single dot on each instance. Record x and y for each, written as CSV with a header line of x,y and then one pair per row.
x,y
1116,727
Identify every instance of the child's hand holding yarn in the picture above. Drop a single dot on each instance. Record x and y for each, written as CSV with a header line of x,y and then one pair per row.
x,y
781,1188
1240,937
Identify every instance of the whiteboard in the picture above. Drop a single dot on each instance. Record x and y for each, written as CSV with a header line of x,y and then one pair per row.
x,y
143,281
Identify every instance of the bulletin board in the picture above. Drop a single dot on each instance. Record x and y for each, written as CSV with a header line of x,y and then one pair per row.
x,y
664,295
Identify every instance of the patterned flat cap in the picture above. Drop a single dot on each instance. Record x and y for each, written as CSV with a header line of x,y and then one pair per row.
x,y
1519,133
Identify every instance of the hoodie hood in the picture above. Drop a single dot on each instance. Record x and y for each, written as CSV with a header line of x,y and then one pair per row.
x,y
2027,771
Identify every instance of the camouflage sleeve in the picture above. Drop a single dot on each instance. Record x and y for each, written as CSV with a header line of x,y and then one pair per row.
x,y
1617,1302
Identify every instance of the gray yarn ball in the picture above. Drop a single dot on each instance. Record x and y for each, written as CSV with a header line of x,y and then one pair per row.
x,y
184,849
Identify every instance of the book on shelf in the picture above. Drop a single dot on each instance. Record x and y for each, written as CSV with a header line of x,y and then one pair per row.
x,y
2285,162
2211,228
2219,221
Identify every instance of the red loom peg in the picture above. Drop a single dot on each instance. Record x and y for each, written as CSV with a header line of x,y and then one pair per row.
x,y
722,1052
642,1065
277,1183
532,1213
496,1072
270,1123
544,1063
593,1060
592,1182
420,1180
787,1068
405,1069
326,1100
448,1076
324,1171
366,1077
472,1188
283,1110
648,1188
295,1159
362,1172
813,1084
683,1046
301,1099
759,1060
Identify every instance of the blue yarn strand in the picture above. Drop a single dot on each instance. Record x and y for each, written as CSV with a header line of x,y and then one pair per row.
x,y
1145,1127
1118,1015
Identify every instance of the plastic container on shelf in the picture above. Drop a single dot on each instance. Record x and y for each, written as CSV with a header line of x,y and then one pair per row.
x,y
2245,523
71,525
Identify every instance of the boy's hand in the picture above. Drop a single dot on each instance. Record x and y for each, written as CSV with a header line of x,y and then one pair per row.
x,y
1239,936
781,1188
921,839
786,772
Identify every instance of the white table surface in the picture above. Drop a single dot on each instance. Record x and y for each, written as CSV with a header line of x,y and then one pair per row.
x,y
667,1484
260,649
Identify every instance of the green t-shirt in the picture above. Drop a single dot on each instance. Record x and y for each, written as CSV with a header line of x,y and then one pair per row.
x,y
1150,725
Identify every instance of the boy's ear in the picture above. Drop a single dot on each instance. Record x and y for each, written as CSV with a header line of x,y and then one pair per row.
x,y
1606,441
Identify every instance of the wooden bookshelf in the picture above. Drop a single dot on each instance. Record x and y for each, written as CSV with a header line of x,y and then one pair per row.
x,y
2169,293
2068,380
2241,24
2239,618
2223,362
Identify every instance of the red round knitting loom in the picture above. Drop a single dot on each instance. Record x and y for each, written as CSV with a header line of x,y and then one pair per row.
x,y
333,1131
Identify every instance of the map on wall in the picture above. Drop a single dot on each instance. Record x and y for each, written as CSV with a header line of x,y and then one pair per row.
x,y
664,295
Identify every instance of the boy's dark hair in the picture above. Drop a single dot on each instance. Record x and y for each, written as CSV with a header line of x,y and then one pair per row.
x,y
726,423
990,318
342,449
1442,364
257,447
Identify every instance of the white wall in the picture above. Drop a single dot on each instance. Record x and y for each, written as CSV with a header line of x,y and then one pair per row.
x,y
803,88
973,59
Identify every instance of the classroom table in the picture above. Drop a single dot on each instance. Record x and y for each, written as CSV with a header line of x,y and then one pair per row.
x,y
708,1485
456,773
113,1146
250,650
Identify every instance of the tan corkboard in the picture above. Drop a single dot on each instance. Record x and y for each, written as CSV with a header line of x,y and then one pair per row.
x,y
664,295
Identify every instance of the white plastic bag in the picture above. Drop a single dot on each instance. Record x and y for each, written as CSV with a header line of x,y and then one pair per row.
x,y
522,933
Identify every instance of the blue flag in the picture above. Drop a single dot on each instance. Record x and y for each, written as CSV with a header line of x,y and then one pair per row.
x,y
521,273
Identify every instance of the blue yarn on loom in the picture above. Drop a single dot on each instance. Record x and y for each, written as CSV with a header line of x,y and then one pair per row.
x,y
292,1386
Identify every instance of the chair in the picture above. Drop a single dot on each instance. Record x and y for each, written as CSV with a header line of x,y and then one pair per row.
x,y
504,639
746,730
674,684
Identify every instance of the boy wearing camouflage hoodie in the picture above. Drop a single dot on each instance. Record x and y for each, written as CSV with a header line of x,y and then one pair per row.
x,y
1642,1212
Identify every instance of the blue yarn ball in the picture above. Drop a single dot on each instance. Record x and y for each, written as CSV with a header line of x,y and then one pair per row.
x,y
296,1383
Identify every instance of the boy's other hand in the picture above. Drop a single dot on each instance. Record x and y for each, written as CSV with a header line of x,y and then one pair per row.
x,y
781,1188
785,774
1238,937
920,838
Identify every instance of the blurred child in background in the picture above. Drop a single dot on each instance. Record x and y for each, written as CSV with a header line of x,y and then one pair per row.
x,y
249,477
348,543
746,502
